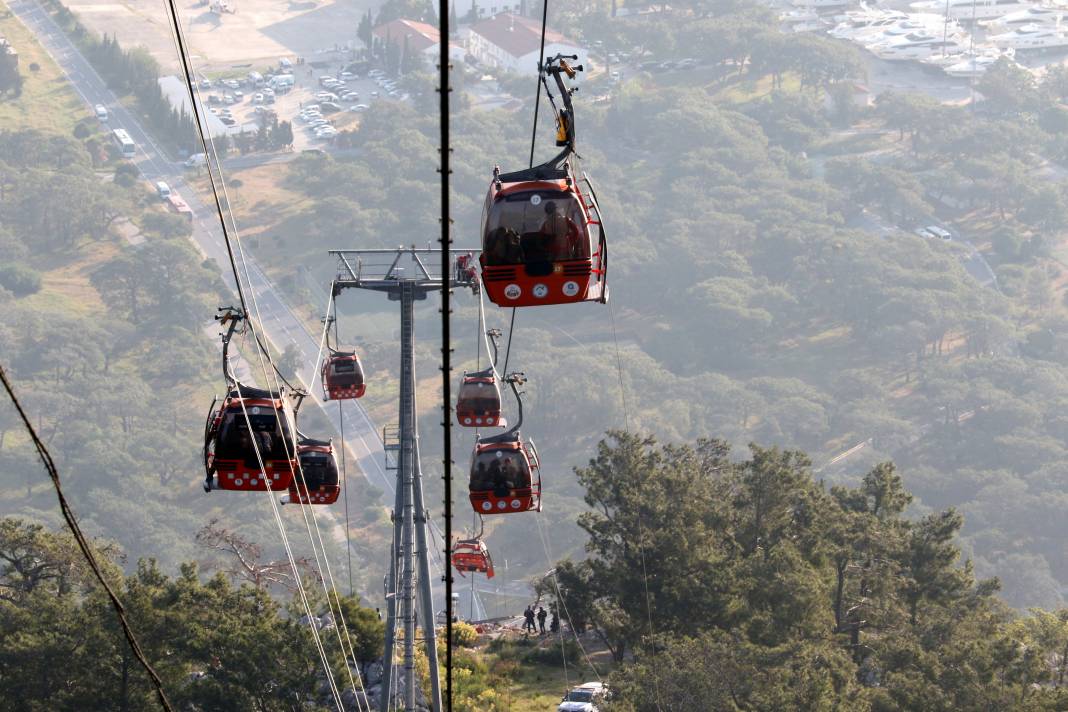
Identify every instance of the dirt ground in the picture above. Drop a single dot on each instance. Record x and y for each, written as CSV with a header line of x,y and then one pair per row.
x,y
257,34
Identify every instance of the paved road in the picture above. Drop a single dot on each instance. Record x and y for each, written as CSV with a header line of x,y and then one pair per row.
x,y
277,319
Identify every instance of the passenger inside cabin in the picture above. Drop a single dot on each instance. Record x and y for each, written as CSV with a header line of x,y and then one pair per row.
x,y
559,233
480,480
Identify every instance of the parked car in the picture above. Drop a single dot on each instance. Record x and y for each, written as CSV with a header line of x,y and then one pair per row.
x,y
922,232
229,99
228,120
358,108
326,96
205,83
347,75
257,98
583,698
350,96
329,107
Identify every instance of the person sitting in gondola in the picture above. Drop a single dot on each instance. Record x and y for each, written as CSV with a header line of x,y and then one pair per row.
x,y
509,474
560,233
503,247
498,479
480,480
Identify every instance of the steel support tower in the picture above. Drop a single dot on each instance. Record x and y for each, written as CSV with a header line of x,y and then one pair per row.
x,y
406,275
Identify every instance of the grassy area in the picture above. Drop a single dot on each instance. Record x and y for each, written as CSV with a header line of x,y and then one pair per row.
x,y
48,102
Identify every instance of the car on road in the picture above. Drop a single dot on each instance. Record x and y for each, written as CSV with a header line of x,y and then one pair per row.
x,y
163,190
583,698
101,112
197,159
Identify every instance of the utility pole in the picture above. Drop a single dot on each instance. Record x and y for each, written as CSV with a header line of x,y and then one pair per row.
x,y
406,275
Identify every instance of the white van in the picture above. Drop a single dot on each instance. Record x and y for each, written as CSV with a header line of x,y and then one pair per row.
x,y
101,112
197,159
281,81
163,190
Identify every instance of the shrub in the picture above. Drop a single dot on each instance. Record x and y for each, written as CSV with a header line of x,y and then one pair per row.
x,y
464,634
19,279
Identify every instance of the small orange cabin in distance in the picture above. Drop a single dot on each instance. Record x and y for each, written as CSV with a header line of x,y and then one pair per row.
x,y
231,445
472,556
542,239
317,479
479,401
342,376
505,476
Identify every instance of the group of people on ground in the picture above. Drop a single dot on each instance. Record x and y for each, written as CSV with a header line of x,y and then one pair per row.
x,y
528,620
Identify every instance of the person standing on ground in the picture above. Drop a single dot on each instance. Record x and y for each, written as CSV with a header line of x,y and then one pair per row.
x,y
554,624
528,620
542,615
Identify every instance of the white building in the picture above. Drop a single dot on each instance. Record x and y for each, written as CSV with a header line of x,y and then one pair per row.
x,y
420,37
511,42
485,8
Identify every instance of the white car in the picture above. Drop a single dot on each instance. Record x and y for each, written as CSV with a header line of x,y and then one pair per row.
x,y
583,698
347,75
257,98
358,108
101,112
922,232
326,96
350,96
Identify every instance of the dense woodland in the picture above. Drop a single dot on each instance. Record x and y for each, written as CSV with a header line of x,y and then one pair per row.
x,y
750,300
750,303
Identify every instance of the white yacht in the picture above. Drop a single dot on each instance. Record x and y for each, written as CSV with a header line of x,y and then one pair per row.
x,y
1032,37
1035,15
986,54
856,26
921,46
968,10
972,66
921,24
820,4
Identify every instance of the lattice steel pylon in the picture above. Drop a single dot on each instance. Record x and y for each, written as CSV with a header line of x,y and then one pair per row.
x,y
405,274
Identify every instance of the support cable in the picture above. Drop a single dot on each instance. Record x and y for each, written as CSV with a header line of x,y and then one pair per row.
x,y
285,537
446,336
209,147
83,545
508,350
537,96
641,529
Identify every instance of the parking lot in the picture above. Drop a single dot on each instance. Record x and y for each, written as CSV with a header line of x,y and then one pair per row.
x,y
323,97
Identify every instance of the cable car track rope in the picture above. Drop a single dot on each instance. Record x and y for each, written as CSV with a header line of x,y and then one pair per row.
x,y
83,545
209,148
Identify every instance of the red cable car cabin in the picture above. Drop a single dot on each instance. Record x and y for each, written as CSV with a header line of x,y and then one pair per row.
x,y
318,466
504,475
342,376
230,458
542,239
472,556
479,402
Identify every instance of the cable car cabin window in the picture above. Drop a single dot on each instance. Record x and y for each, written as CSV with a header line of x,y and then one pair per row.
x,y
344,367
235,443
345,374
480,398
535,228
500,471
318,469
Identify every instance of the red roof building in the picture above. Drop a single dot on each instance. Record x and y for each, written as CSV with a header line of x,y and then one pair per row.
x,y
511,42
